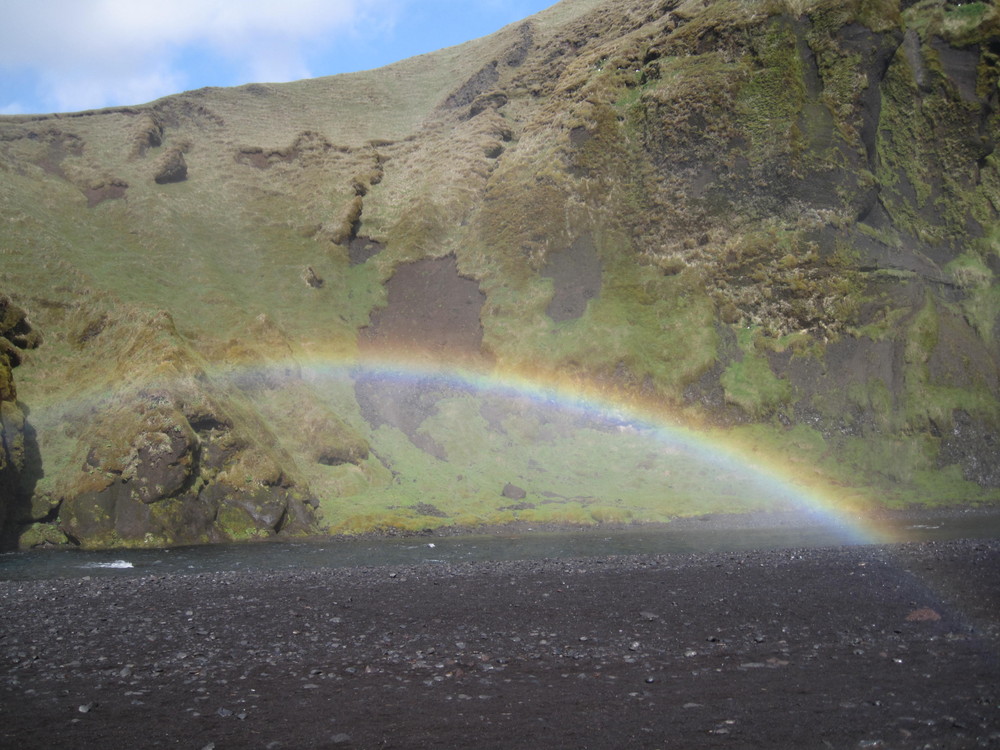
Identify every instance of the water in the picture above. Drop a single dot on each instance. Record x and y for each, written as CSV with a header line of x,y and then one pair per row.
x,y
346,552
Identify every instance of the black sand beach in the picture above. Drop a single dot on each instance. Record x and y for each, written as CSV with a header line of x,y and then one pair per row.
x,y
894,646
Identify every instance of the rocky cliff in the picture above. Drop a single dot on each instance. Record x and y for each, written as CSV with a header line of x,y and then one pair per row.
x,y
16,334
775,221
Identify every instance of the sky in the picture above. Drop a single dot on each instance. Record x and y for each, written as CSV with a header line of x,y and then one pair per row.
x,y
71,55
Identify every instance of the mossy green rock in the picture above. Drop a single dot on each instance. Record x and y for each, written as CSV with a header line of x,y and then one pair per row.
x,y
45,535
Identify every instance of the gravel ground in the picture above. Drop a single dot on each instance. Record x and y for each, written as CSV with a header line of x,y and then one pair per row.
x,y
883,646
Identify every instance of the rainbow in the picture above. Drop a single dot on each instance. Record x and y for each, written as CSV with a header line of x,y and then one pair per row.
x,y
791,486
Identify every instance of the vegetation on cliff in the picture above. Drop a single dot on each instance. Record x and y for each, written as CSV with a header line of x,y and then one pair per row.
x,y
775,221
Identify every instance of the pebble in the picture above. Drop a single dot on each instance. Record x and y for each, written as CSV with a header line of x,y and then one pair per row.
x,y
390,645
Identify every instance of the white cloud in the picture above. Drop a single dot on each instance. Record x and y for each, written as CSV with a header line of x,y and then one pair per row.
x,y
94,53
87,88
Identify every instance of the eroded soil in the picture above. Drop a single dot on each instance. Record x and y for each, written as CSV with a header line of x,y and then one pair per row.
x,y
431,308
890,646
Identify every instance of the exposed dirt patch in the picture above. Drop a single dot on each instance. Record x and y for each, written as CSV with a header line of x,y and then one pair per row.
x,y
576,276
431,309
106,192
261,159
481,81
361,249
426,509
308,143
518,52
57,146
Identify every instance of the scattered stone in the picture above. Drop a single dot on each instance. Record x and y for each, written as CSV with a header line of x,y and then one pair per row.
x,y
513,492
924,614
444,633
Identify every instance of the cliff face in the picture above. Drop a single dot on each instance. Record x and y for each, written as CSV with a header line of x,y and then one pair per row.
x,y
777,220
16,334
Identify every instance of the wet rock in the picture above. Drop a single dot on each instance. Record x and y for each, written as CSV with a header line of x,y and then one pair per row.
x,y
16,437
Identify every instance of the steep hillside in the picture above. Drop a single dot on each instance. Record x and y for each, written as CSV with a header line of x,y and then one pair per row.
x,y
276,308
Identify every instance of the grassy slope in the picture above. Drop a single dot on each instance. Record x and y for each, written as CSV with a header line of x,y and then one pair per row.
x,y
232,242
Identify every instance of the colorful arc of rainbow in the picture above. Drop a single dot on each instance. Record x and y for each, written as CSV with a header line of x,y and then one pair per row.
x,y
776,476
823,502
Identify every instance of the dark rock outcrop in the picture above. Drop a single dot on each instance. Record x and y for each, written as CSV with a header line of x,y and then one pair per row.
x,y
16,334
186,461
171,168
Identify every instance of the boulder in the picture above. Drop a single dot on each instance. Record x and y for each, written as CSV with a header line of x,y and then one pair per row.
x,y
171,168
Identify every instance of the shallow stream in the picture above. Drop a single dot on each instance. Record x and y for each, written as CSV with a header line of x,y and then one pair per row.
x,y
692,536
